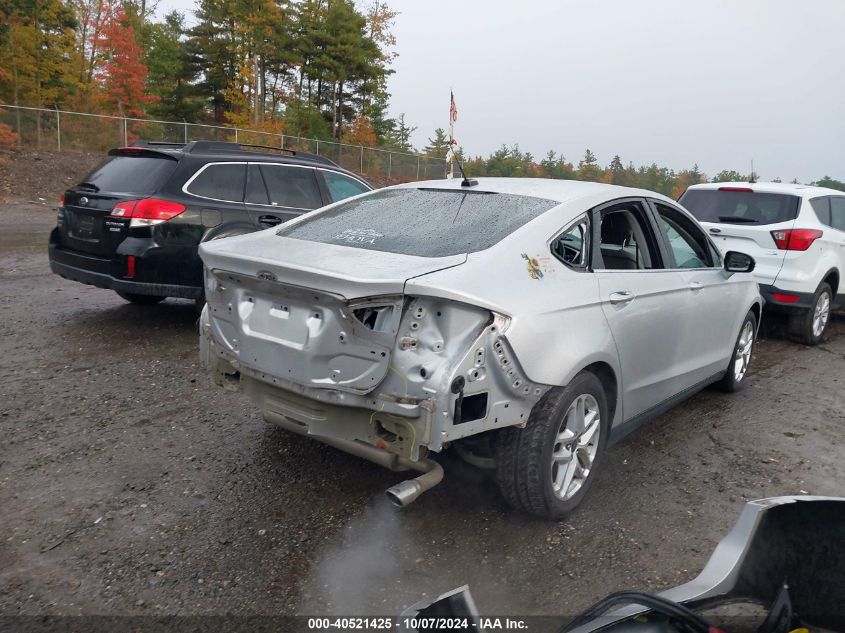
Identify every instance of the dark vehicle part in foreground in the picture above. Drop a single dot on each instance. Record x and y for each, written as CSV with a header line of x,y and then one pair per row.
x,y
785,554
134,224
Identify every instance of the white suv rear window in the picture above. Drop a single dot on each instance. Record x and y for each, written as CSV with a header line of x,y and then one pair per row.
x,y
731,206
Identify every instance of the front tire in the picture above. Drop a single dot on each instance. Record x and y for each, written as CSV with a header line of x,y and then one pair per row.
x,y
546,468
808,326
140,300
734,378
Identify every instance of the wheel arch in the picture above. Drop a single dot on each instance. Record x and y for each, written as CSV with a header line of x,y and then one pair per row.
x,y
231,229
757,309
832,279
608,378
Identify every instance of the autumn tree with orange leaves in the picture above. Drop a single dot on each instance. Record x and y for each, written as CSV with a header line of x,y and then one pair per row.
x,y
122,74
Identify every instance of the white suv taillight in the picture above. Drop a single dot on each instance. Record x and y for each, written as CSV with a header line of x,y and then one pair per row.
x,y
148,211
795,239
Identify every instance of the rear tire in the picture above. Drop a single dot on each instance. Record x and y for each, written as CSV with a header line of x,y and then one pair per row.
x,y
734,378
140,300
547,468
808,326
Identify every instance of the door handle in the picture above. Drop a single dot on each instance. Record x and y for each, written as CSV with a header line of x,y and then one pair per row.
x,y
696,285
269,220
623,296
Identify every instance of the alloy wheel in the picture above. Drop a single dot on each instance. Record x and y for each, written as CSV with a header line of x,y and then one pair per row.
x,y
821,313
576,445
743,351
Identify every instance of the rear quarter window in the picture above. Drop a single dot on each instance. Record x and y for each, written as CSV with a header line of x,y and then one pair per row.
x,y
131,174
342,187
822,208
740,207
223,181
423,222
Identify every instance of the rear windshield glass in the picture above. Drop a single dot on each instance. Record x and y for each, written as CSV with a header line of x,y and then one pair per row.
x,y
424,222
740,207
130,174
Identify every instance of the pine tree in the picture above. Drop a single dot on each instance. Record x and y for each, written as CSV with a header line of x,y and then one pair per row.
x,y
588,168
171,76
439,145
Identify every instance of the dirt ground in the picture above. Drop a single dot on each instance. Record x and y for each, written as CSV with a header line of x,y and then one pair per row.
x,y
129,484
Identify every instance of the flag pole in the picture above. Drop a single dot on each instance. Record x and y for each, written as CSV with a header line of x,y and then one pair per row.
x,y
453,116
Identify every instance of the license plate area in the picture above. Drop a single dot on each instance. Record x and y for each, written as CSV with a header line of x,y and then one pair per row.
x,y
85,226
305,336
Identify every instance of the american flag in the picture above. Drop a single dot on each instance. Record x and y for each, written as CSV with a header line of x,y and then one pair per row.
x,y
453,109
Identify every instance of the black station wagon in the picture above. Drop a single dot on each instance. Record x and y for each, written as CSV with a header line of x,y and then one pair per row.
x,y
134,224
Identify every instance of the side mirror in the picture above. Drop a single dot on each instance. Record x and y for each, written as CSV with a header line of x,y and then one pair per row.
x,y
736,262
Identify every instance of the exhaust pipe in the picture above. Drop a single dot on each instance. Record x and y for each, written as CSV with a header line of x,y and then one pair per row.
x,y
402,493
406,492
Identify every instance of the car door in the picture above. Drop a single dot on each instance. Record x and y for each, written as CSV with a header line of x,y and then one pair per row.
x,y
643,303
713,307
218,193
837,223
278,192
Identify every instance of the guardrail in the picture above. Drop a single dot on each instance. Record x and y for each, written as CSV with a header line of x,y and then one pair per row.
x,y
65,131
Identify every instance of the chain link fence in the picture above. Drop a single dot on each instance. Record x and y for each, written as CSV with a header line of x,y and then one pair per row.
x,y
62,131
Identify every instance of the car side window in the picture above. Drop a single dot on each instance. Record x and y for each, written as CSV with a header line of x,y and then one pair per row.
x,y
572,247
837,213
822,208
688,243
256,191
292,187
626,240
342,187
220,182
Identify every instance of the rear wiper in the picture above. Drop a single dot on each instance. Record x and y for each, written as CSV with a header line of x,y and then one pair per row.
x,y
738,220
88,185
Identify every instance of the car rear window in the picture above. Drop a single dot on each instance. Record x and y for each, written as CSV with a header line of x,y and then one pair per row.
x,y
740,207
130,174
423,222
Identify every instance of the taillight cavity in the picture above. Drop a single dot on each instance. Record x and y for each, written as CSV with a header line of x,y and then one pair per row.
x,y
795,239
148,211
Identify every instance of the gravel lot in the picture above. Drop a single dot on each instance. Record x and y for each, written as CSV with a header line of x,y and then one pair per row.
x,y
131,485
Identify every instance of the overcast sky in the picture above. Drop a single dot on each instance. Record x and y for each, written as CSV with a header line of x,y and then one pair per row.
x,y
717,82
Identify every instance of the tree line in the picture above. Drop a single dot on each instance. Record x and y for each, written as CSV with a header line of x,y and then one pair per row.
x,y
512,162
313,68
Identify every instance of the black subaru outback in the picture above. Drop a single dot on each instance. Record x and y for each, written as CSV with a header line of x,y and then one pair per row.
x,y
134,223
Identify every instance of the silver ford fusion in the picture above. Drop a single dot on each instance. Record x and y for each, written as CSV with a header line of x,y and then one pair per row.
x,y
528,323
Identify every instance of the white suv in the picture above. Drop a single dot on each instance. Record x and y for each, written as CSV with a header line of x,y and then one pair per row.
x,y
795,233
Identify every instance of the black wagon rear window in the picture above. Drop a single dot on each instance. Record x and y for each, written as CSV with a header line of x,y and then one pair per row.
x,y
130,174
740,207
424,222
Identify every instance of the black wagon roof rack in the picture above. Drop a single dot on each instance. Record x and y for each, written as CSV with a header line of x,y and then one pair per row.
x,y
225,146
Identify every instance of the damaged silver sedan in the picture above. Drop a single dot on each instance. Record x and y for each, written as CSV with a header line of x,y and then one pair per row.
x,y
528,323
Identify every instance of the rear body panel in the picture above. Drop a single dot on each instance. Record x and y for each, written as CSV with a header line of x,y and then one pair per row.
x,y
292,318
755,241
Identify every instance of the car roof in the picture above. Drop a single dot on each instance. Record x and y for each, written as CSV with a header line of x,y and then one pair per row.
x,y
561,191
224,151
805,191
